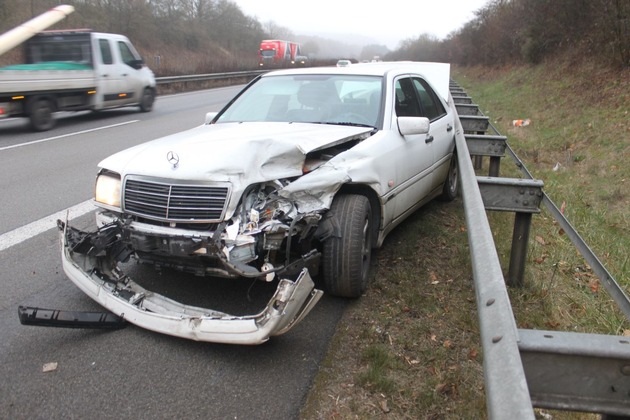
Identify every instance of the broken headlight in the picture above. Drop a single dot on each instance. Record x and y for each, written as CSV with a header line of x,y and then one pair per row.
x,y
262,205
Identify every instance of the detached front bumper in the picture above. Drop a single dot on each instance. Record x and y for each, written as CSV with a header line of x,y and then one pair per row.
x,y
90,261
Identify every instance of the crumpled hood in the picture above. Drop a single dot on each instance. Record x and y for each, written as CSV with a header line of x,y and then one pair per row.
x,y
232,152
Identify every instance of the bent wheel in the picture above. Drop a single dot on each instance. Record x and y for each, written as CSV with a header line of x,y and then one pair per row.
x,y
346,257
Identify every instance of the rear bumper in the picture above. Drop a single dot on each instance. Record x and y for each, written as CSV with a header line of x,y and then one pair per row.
x,y
97,274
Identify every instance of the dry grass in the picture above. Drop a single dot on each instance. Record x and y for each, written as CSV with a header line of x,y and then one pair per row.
x,y
409,348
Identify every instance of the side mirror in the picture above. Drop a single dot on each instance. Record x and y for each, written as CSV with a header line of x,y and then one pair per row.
x,y
209,117
136,64
413,125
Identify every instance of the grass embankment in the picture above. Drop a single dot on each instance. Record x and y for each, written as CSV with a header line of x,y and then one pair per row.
x,y
409,348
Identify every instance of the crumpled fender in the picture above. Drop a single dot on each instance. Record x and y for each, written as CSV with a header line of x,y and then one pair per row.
x,y
91,265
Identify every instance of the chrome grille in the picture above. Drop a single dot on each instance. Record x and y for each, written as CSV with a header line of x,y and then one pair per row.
x,y
175,202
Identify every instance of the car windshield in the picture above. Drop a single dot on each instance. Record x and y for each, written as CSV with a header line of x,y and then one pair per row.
x,y
327,99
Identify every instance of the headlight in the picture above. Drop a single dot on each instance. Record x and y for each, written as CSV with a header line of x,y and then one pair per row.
x,y
107,189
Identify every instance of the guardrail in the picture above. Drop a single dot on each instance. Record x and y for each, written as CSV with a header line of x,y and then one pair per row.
x,y
499,337
208,76
531,368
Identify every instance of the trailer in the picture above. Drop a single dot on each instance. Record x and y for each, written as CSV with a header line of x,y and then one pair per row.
x,y
279,53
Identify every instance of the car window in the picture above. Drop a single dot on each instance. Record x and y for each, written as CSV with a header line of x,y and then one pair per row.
x,y
315,98
432,108
127,55
106,52
415,98
407,104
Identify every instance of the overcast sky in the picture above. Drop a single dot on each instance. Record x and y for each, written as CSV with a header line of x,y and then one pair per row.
x,y
386,22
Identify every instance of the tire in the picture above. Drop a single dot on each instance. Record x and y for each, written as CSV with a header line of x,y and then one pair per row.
x,y
148,98
41,114
451,184
346,258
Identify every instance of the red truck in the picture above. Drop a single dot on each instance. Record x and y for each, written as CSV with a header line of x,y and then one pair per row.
x,y
279,53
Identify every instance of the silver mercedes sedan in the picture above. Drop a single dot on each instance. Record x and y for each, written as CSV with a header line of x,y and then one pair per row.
x,y
296,180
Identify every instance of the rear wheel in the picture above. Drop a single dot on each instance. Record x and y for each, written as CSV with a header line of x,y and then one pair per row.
x,y
41,114
346,258
451,184
148,98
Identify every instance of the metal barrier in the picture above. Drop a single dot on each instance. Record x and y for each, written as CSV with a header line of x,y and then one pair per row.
x,y
531,368
507,394
208,76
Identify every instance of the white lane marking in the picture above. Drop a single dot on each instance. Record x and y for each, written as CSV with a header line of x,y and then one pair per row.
x,y
25,232
68,135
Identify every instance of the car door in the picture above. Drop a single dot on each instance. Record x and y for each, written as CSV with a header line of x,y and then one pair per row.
x,y
111,77
118,81
441,129
414,158
130,67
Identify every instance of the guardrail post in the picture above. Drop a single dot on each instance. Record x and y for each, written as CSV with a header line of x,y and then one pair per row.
x,y
487,145
523,197
518,254
478,124
577,371
462,99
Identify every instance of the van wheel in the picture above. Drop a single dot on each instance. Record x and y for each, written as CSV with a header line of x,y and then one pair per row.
x,y
346,257
451,184
148,98
41,114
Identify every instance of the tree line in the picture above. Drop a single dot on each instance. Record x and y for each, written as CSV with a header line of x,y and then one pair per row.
x,y
203,36
528,31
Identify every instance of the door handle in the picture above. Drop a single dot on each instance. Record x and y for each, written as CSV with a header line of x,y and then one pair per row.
x,y
429,139
449,127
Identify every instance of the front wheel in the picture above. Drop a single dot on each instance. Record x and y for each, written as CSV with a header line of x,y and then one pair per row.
x,y
41,114
148,98
346,257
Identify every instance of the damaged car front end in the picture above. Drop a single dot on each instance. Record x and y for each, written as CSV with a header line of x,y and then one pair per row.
x,y
239,225
91,261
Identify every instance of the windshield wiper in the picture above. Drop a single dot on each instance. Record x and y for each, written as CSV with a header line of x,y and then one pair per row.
x,y
349,123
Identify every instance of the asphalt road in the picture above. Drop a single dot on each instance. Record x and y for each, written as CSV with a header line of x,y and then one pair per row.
x,y
129,373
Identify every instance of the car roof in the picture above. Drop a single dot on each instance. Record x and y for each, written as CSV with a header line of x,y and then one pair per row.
x,y
437,74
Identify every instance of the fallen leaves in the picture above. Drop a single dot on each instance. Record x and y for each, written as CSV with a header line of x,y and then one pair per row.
x,y
433,278
446,389
541,259
384,406
411,361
